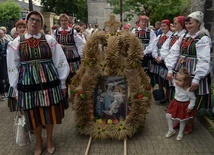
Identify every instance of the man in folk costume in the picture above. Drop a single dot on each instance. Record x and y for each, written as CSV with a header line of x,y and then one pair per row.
x,y
158,67
147,38
193,52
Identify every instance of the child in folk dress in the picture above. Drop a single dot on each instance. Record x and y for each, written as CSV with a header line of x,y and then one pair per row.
x,y
180,109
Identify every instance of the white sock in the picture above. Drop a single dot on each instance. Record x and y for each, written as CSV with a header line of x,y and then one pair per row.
x,y
182,126
169,121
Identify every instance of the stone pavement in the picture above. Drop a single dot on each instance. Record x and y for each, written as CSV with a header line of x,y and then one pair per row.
x,y
150,141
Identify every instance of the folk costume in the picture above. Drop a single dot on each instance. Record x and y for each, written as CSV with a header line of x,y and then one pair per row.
x,y
177,110
147,38
68,38
38,69
193,52
183,99
159,69
164,52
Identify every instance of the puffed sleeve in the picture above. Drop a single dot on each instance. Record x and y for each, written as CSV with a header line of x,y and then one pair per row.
x,y
203,49
155,48
54,34
13,63
164,51
59,60
78,41
173,55
150,47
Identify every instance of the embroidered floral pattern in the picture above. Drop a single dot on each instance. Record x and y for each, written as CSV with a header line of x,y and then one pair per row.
x,y
162,39
33,42
61,63
12,70
187,42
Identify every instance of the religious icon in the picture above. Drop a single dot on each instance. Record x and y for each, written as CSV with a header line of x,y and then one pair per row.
x,y
110,98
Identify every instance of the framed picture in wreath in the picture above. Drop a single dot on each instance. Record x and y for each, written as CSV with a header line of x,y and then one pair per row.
x,y
110,98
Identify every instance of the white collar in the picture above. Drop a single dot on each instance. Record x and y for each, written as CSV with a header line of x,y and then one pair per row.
x,y
38,35
194,35
67,29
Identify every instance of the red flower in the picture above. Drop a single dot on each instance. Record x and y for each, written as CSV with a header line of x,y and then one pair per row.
x,y
79,92
115,121
139,96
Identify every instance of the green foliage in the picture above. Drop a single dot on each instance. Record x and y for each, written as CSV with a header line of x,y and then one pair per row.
x,y
78,8
10,12
155,9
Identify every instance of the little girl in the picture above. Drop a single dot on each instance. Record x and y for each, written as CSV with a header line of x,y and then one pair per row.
x,y
180,109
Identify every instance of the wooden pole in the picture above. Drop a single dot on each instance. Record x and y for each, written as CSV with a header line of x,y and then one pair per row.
x,y
125,147
88,146
121,13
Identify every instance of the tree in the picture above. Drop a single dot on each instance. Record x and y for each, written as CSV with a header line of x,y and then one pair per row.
x,y
77,8
155,9
10,12
30,5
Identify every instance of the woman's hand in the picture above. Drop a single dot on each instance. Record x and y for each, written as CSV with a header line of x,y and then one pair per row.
x,y
64,92
193,87
158,60
188,110
169,76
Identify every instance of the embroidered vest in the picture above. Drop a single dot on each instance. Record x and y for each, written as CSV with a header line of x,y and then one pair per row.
x,y
144,36
67,39
27,53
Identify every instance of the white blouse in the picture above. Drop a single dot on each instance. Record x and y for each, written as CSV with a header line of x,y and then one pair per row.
x,y
164,51
183,95
155,48
58,57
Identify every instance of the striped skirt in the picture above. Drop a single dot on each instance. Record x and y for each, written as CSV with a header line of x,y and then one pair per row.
x,y
44,115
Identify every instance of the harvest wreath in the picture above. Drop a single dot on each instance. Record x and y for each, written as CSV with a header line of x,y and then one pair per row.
x,y
115,55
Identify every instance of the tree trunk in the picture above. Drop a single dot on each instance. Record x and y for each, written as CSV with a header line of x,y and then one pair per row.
x,y
30,5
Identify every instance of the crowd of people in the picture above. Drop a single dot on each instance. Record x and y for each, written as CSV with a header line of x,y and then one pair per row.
x,y
37,67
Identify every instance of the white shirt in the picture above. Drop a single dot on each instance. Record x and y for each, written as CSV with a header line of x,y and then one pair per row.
x,y
164,51
182,95
88,33
80,42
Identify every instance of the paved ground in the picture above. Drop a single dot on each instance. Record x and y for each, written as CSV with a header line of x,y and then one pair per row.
x,y
149,142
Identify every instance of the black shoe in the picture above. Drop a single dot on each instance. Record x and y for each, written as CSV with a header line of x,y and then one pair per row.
x,y
164,101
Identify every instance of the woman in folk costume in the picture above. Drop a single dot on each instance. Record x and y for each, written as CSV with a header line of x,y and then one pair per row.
x,y
158,67
193,52
38,69
67,38
147,38
179,24
20,27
